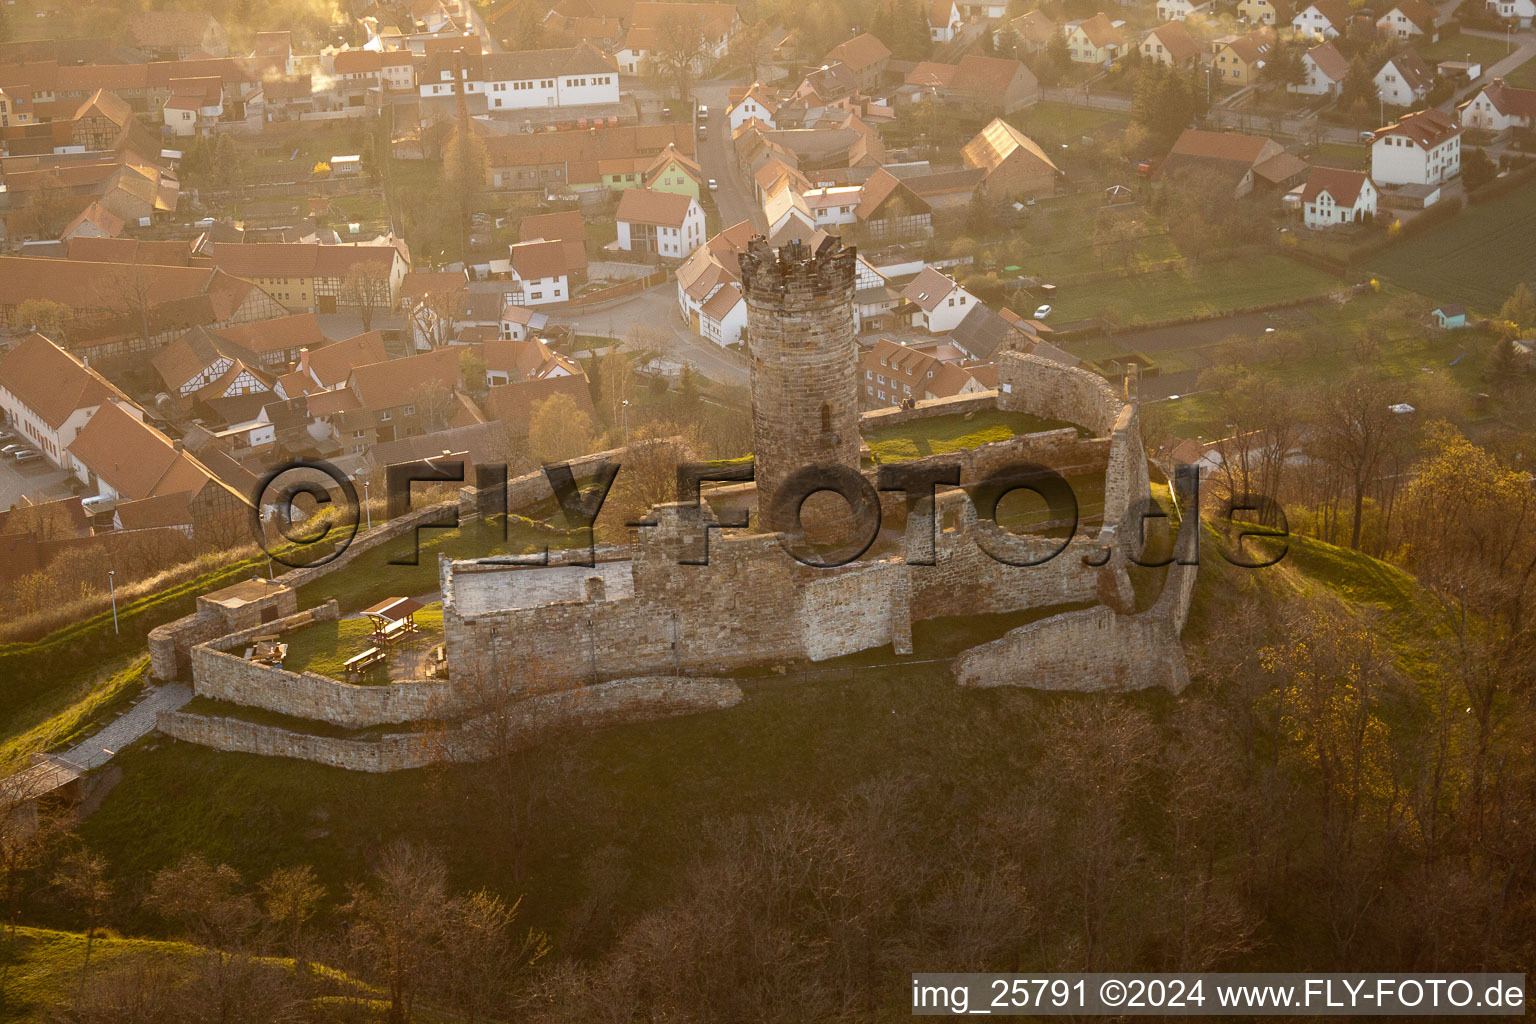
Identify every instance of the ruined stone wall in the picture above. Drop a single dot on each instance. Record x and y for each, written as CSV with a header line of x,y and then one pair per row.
x,y
854,609
803,362
170,645
1097,649
628,700
954,405
1049,389
220,672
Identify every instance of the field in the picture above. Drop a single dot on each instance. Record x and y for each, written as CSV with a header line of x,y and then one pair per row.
x,y
952,433
1476,259
1062,122
1209,288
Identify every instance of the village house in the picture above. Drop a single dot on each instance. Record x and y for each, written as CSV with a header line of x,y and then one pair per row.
x,y
939,303
578,76
1096,40
1170,44
943,20
1422,148
48,396
175,35
671,171
1518,12
894,373
514,404
1332,197
328,367
540,271
120,457
1325,69
403,397
1410,18
1014,166
507,360
1499,107
757,102
888,210
661,223
195,106
1032,32
1323,19
649,22
314,278
865,57
1260,12
1239,61
709,297
552,159
985,84
1243,160
565,227
1404,80
1179,10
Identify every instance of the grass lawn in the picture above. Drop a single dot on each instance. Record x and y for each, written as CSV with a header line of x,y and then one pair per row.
x,y
1207,288
939,434
1476,259
78,710
1342,154
1484,51
325,646
1064,122
1524,76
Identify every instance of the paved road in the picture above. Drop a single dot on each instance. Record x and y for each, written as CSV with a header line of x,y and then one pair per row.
x,y
38,481
734,197
657,308
134,724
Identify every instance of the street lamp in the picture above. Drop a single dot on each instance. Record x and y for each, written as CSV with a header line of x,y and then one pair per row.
x,y
625,405
367,506
112,588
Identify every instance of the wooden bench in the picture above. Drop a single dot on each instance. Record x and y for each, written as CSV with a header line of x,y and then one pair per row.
x,y
394,631
357,663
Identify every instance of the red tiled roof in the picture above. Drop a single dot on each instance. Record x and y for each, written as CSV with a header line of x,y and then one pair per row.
x,y
514,403
642,206
1343,186
1508,100
52,382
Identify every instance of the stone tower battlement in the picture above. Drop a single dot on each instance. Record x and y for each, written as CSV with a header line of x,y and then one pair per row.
x,y
804,363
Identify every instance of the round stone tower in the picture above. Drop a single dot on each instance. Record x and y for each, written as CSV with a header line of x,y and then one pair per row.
x,y
804,363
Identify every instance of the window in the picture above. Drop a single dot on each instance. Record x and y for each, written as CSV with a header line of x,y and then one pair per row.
x,y
410,410
386,416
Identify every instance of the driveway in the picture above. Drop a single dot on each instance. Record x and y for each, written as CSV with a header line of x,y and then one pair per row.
x,y
37,481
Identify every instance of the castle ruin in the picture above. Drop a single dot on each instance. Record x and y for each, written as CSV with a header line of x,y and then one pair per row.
x,y
657,625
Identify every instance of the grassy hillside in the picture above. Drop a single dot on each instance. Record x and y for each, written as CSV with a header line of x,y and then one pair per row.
x,y
627,804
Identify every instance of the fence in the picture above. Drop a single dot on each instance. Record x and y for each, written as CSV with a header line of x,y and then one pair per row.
x,y
634,286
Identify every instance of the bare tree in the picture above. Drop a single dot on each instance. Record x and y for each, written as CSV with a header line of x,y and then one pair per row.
x,y
398,919
1354,430
81,882
366,287
680,52
290,897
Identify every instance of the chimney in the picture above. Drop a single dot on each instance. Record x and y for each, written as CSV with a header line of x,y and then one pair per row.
x,y
177,446
304,360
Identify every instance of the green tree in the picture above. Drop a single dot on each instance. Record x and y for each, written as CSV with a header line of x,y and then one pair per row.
x,y
1358,86
1476,169
1162,103
1058,52
1520,307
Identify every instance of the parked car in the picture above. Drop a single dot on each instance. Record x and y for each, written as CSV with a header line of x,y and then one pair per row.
x,y
1042,312
714,186
27,455
6,435
12,449
1367,136
703,131
703,111
666,112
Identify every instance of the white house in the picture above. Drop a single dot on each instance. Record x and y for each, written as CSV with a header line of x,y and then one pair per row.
x,y
539,273
1178,10
1325,70
1404,79
1408,19
517,322
759,102
833,205
48,396
941,303
1521,12
1332,197
576,76
1323,18
669,224
1499,107
943,20
1423,148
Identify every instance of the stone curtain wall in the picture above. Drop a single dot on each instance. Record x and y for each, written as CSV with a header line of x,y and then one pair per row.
x,y
523,724
1049,389
220,672
954,405
855,609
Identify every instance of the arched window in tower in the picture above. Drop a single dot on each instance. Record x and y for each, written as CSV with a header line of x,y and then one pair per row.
x,y
826,418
